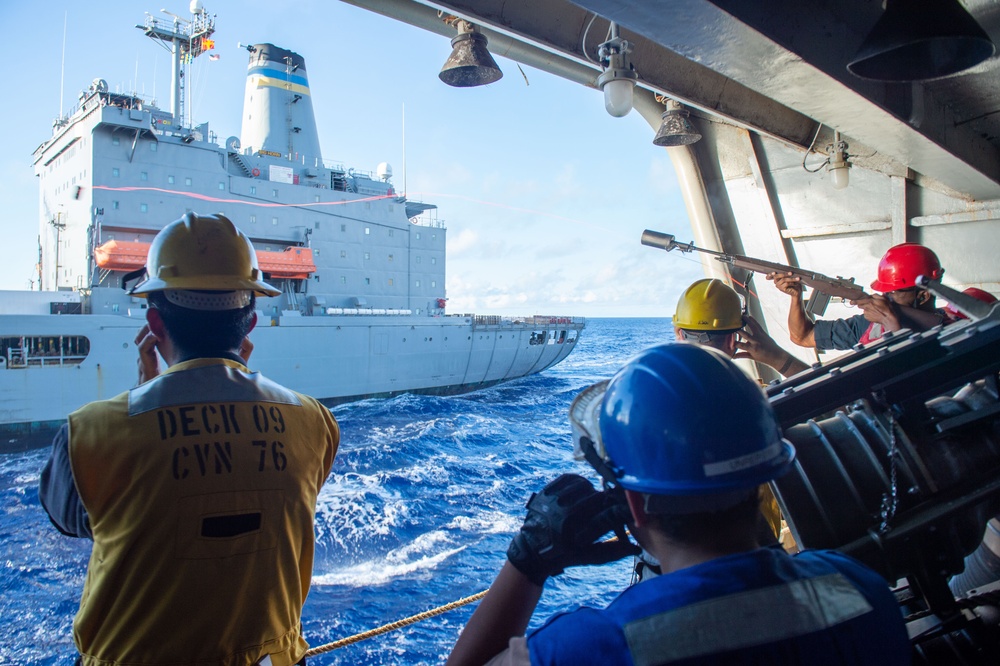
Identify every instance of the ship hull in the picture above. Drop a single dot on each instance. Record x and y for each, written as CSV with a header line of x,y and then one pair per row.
x,y
335,359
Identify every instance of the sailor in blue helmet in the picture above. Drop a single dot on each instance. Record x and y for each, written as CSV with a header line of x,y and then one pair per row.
x,y
684,438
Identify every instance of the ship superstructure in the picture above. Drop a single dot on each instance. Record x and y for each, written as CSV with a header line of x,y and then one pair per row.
x,y
362,269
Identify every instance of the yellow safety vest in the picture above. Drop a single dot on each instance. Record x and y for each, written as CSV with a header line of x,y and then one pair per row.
x,y
201,490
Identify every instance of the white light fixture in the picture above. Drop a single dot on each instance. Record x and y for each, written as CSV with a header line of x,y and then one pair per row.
x,y
837,165
619,77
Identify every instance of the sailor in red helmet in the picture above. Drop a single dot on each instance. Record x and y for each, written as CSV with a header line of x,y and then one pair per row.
x,y
979,294
902,304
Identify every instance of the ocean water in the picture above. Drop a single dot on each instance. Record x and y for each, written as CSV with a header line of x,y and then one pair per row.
x,y
423,498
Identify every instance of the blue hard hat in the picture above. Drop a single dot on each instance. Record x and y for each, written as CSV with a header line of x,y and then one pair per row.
x,y
681,419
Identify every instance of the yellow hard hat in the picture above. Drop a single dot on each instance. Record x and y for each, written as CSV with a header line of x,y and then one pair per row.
x,y
709,305
202,253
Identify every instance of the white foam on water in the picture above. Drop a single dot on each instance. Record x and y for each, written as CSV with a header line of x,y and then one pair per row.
x,y
382,571
487,522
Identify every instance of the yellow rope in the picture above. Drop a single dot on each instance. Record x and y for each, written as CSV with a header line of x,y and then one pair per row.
x,y
398,624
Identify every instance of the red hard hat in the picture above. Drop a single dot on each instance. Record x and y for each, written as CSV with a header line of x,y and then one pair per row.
x,y
902,264
975,292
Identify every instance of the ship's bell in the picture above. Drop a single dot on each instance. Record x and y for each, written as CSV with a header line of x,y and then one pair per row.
x,y
675,128
470,63
916,40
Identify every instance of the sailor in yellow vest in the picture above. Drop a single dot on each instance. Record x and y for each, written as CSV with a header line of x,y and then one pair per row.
x,y
199,485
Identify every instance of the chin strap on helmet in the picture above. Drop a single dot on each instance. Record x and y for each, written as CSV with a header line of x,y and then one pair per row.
x,y
595,460
137,274
609,479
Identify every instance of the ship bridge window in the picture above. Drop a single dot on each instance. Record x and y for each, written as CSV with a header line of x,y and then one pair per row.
x,y
26,351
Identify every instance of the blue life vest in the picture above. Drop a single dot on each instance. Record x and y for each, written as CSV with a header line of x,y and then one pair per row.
x,y
759,607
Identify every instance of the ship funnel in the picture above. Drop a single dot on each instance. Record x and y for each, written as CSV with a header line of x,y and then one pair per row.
x,y
277,107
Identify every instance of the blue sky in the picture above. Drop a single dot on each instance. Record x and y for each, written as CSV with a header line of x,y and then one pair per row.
x,y
544,194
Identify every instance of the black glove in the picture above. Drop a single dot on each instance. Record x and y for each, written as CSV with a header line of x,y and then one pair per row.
x,y
564,520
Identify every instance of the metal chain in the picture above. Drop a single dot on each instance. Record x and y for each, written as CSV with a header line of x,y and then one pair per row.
x,y
890,500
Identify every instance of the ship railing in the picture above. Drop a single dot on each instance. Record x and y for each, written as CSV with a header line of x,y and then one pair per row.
x,y
42,351
332,165
534,320
20,358
424,221
551,320
378,312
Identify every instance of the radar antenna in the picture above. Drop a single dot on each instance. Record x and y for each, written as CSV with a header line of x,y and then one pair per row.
x,y
186,39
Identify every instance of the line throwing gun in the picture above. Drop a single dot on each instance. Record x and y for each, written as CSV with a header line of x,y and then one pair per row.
x,y
845,288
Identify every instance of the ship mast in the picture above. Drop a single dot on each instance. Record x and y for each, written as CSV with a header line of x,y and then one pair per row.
x,y
186,39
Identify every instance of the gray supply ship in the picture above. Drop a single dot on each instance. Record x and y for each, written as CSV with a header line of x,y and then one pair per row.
x,y
362,268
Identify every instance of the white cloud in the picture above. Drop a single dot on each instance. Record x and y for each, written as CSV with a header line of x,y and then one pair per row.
x,y
464,242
